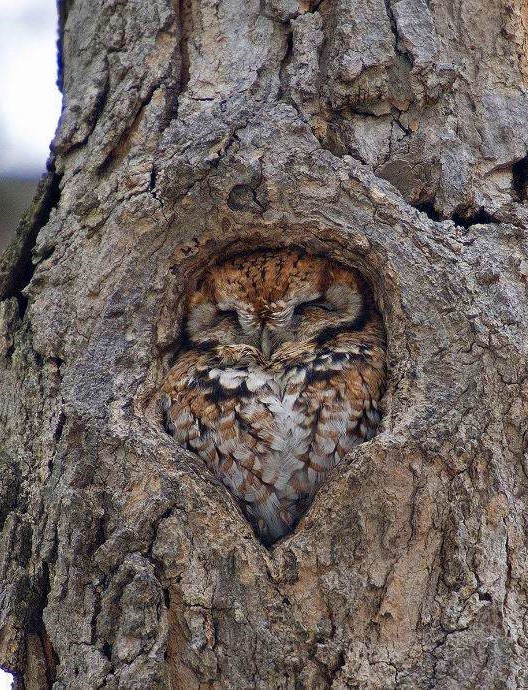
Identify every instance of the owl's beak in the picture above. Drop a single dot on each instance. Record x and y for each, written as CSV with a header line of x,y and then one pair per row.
x,y
266,344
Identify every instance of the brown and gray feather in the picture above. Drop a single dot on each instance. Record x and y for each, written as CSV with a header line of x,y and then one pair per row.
x,y
281,375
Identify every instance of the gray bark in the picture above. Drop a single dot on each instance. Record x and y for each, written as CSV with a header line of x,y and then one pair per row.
x,y
391,134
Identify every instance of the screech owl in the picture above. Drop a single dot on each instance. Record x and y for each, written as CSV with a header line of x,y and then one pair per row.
x,y
280,374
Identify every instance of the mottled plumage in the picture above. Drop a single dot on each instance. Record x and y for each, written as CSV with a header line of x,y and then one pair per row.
x,y
280,375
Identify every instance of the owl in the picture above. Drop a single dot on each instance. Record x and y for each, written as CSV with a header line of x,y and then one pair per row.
x,y
279,376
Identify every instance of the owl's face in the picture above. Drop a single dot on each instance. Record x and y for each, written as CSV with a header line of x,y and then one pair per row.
x,y
270,298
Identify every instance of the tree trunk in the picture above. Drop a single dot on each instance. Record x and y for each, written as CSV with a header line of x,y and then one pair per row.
x,y
390,133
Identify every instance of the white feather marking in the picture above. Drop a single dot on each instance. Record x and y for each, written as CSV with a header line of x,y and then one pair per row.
x,y
232,378
256,380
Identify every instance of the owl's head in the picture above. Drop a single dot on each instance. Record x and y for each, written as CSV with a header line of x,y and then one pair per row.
x,y
269,298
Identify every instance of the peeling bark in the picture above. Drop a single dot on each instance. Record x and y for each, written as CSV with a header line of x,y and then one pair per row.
x,y
389,134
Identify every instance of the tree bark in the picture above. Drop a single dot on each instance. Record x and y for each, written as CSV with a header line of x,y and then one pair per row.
x,y
391,134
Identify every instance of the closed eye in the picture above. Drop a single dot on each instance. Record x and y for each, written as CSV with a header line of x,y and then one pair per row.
x,y
317,303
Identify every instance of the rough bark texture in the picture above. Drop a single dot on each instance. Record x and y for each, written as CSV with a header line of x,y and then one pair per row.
x,y
389,133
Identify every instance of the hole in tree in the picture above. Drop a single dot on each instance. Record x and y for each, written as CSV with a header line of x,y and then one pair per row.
x,y
468,217
520,179
428,207
107,651
484,596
